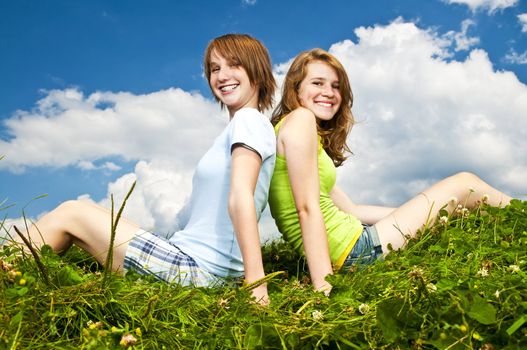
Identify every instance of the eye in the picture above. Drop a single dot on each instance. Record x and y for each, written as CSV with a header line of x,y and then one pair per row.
x,y
233,62
317,83
214,68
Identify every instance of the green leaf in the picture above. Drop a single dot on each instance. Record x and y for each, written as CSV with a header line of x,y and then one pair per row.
x,y
293,340
444,284
436,249
67,276
482,311
516,325
260,336
17,318
22,291
392,315
46,250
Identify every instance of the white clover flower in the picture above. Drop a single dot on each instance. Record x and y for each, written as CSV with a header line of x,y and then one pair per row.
x,y
464,212
364,308
497,294
485,198
223,303
128,340
432,288
5,266
317,315
416,272
514,268
443,220
483,272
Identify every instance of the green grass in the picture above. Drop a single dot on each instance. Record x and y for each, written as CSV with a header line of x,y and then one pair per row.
x,y
461,285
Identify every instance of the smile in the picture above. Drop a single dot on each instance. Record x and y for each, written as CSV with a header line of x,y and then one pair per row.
x,y
227,88
324,104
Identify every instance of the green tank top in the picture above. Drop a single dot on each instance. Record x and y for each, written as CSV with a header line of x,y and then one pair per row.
x,y
343,229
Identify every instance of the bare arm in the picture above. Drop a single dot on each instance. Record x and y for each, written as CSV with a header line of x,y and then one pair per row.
x,y
298,136
244,175
368,214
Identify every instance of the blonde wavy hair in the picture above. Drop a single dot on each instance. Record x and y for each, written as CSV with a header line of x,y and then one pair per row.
x,y
251,54
332,132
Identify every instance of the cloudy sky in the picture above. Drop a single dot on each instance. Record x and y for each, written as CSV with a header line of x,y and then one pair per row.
x,y
96,94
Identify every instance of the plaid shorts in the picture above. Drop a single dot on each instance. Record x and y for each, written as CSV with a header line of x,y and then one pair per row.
x,y
366,251
149,254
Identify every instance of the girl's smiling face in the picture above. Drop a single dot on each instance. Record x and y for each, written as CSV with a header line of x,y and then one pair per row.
x,y
230,83
319,91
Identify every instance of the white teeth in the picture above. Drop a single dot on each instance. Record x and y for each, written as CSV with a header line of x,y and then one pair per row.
x,y
325,104
229,87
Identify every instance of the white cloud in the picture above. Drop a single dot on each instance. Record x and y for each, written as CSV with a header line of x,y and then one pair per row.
x,y
523,21
87,165
516,58
490,5
462,41
422,117
249,2
68,128
162,189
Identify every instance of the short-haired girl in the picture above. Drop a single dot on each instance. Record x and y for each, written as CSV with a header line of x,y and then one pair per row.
x,y
230,188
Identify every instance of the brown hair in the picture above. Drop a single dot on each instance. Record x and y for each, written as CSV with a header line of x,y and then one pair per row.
x,y
335,131
250,53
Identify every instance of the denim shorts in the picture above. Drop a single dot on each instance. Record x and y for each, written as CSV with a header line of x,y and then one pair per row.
x,y
366,250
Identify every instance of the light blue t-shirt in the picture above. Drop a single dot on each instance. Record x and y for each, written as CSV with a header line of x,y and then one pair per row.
x,y
208,236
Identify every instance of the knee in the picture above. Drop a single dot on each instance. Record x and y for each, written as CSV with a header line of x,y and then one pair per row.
x,y
466,177
70,208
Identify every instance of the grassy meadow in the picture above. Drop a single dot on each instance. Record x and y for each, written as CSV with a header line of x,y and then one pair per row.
x,y
461,285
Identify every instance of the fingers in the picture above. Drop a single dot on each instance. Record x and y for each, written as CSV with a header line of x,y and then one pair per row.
x,y
260,295
324,288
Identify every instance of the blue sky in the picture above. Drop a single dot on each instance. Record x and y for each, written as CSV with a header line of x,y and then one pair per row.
x,y
96,94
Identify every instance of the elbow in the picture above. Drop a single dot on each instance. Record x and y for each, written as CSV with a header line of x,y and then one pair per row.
x,y
307,210
238,201
232,204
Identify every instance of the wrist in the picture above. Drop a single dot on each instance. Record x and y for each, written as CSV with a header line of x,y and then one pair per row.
x,y
320,281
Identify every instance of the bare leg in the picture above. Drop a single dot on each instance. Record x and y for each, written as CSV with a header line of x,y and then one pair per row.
x,y
467,188
86,225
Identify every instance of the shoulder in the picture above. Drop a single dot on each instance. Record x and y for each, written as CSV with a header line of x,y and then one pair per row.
x,y
251,128
252,118
301,120
250,114
302,115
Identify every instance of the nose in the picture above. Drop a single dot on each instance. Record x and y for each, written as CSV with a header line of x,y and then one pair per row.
x,y
224,73
328,90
